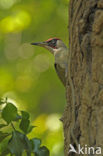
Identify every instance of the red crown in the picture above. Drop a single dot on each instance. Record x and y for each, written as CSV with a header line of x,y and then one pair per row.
x,y
53,38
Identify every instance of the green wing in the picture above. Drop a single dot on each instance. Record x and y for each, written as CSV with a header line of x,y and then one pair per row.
x,y
61,73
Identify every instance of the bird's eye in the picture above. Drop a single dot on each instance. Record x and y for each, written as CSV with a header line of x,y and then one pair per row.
x,y
53,41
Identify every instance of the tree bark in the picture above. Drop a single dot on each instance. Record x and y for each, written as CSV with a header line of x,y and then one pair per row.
x,y
83,116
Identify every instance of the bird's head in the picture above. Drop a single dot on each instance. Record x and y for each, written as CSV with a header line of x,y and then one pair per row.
x,y
52,44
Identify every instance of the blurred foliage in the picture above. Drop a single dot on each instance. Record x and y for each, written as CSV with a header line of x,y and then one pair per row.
x,y
27,74
18,142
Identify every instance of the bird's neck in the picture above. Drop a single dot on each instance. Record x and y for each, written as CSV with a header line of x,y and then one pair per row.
x,y
61,56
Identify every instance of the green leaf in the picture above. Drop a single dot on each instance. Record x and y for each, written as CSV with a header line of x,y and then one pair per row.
x,y
39,151
9,113
3,135
24,125
18,143
5,152
35,144
25,115
3,125
30,128
2,101
43,151
27,146
18,117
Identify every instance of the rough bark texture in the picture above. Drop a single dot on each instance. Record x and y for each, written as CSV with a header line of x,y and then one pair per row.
x,y
83,115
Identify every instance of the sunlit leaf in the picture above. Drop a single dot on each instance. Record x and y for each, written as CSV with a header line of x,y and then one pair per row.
x,y
30,128
2,125
2,101
16,22
3,136
9,113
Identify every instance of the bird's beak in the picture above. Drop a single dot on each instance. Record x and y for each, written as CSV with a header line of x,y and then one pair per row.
x,y
42,44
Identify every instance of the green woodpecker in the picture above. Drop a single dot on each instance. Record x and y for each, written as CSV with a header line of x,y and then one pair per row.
x,y
60,52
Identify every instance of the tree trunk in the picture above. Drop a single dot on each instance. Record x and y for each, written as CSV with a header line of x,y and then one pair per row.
x,y
83,116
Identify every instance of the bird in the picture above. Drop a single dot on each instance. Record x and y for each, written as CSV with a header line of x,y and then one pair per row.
x,y
60,52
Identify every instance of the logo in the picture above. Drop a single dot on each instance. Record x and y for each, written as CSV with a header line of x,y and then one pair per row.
x,y
84,150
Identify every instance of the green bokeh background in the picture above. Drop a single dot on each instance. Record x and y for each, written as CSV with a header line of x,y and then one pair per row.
x,y
27,75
